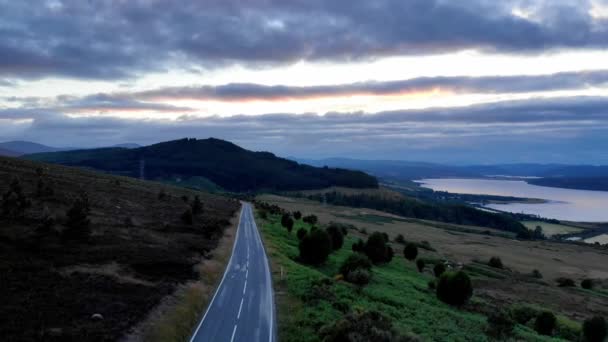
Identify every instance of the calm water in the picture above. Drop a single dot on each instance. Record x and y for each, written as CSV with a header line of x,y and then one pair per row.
x,y
565,204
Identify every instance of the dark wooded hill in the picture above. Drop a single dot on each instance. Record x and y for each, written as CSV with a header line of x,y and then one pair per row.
x,y
223,163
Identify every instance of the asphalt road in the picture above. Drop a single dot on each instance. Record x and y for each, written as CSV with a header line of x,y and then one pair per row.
x,y
242,308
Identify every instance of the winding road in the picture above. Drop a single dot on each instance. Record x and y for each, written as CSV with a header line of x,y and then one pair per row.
x,y
242,308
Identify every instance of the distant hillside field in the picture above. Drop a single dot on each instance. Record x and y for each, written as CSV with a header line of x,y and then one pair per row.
x,y
57,272
223,163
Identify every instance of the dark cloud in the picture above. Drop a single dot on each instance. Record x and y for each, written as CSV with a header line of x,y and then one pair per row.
x,y
546,129
112,39
459,84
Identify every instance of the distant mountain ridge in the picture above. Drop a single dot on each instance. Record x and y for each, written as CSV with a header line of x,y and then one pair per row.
x,y
222,162
20,147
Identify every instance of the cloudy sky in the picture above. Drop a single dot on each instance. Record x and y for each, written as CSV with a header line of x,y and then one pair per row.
x,y
480,81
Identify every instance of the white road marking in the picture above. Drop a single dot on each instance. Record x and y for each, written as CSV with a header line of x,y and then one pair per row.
x,y
240,308
233,332
245,287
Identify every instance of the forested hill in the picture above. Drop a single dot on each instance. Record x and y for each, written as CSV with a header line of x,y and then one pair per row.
x,y
225,164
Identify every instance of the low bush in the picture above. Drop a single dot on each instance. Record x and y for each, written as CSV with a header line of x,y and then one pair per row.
x,y
431,284
410,251
595,329
297,215
420,265
495,262
355,261
358,246
376,248
500,324
315,247
523,314
400,239
301,233
362,326
587,284
78,223
565,282
545,323
454,288
187,217
337,236
536,274
359,277
438,269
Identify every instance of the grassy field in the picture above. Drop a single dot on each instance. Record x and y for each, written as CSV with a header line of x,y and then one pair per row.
x,y
601,239
397,289
550,229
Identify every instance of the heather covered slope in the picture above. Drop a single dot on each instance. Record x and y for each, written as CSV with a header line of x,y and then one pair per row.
x,y
136,249
223,163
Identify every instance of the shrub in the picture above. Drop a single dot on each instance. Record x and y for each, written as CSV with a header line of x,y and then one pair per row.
x,y
301,233
376,248
587,284
385,236
197,205
315,247
438,269
410,251
355,261
400,239
523,314
310,219
359,246
78,223
359,277
287,222
187,216
389,254
545,323
297,215
495,262
162,195
431,284
420,265
500,324
47,222
185,199
14,201
565,282
454,288
536,274
363,231
595,329
337,237
362,326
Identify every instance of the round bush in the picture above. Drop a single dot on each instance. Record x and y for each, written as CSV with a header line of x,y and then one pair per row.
x,y
420,265
545,323
410,251
376,248
359,277
454,288
337,237
587,284
500,324
438,269
301,233
359,246
315,247
595,329
495,262
355,261
565,282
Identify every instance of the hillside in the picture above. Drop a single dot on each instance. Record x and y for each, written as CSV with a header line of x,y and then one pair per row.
x,y
75,243
314,301
223,163
27,147
596,183
8,153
